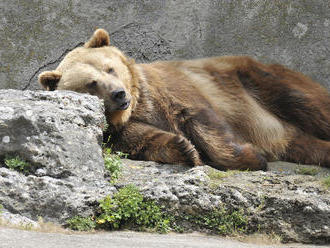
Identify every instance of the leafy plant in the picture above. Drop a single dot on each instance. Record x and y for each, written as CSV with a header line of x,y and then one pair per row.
x,y
81,223
112,162
105,125
221,221
129,208
16,163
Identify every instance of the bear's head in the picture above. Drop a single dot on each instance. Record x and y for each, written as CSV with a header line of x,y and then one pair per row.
x,y
98,69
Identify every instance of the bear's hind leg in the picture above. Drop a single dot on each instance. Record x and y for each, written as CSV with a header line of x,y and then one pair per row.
x,y
289,95
218,146
306,149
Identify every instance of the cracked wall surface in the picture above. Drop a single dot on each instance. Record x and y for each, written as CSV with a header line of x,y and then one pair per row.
x,y
35,35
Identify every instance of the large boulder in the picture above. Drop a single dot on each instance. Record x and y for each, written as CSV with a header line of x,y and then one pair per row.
x,y
35,35
59,135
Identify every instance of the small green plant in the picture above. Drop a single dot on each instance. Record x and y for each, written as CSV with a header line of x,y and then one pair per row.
x,y
129,208
326,182
1,208
262,203
217,176
222,221
16,163
78,223
307,171
105,125
112,162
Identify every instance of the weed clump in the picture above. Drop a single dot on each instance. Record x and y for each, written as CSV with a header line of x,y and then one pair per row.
x,y
78,223
125,209
326,182
221,221
216,176
112,162
307,171
17,164
129,208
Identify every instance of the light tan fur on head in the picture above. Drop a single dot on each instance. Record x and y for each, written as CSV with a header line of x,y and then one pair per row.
x,y
98,69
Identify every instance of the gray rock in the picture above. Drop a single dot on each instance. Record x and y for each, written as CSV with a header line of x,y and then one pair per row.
x,y
55,132
60,135
35,35
16,220
296,207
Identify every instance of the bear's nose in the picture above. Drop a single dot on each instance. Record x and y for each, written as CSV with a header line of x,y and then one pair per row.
x,y
118,95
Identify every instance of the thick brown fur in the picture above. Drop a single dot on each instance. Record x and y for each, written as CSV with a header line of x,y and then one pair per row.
x,y
229,112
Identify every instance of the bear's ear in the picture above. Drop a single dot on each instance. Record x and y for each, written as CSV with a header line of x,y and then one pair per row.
x,y
100,38
49,79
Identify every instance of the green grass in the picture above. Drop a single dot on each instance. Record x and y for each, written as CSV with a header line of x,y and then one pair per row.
x,y
78,223
216,176
105,125
17,164
326,182
307,171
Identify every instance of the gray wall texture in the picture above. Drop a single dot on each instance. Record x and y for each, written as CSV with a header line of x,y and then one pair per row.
x,y
36,34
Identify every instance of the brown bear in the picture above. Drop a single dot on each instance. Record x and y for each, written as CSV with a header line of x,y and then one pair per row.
x,y
230,112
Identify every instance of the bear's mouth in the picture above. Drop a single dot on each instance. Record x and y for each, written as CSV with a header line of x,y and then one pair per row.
x,y
125,105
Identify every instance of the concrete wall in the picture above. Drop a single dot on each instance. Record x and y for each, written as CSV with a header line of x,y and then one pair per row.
x,y
36,34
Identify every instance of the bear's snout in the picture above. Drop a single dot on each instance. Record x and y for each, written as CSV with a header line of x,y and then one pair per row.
x,y
119,97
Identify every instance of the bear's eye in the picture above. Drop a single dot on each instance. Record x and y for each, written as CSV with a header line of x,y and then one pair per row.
x,y
110,70
92,84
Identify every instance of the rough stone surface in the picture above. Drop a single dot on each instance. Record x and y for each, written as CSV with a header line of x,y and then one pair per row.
x,y
60,135
16,220
296,207
35,35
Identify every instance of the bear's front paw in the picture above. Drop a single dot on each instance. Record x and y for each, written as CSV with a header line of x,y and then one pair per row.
x,y
187,150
